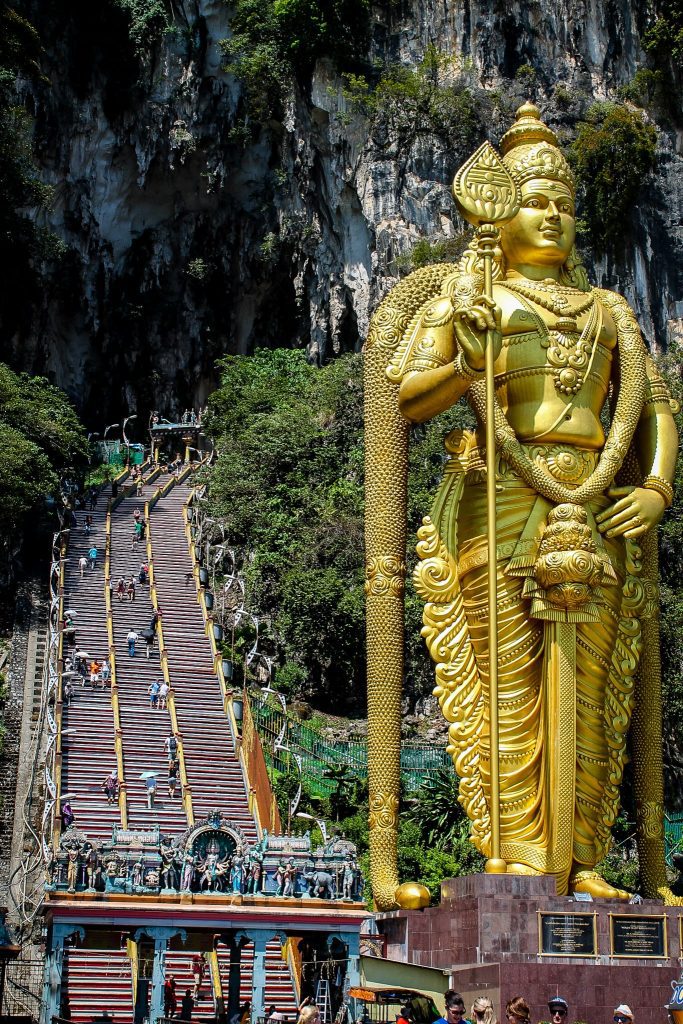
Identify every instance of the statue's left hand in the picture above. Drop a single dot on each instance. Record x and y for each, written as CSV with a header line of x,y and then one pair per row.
x,y
636,511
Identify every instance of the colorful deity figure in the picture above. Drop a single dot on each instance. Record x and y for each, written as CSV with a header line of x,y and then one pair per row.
x,y
189,871
237,872
582,452
289,881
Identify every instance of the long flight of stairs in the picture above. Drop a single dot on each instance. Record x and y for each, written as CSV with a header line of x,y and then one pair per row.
x,y
214,773
143,729
88,753
101,980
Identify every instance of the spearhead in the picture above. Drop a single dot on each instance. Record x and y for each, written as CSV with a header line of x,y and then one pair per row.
x,y
483,189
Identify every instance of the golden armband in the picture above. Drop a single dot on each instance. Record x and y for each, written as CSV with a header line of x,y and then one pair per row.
x,y
462,369
661,486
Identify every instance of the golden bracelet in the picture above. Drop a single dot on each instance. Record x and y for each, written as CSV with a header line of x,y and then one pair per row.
x,y
464,370
661,486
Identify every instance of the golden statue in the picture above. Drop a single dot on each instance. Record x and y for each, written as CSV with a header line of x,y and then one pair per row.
x,y
577,469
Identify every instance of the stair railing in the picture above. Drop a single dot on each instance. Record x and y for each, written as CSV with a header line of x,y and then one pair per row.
x,y
132,954
57,763
292,954
163,657
115,707
216,983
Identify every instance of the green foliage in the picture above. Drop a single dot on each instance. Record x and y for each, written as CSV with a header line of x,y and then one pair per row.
x,y
425,100
289,489
645,89
671,588
274,41
23,248
563,96
44,415
613,154
198,269
443,832
664,38
40,437
148,19
424,252
526,77
25,477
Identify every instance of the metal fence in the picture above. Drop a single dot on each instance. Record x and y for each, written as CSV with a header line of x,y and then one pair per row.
x,y
282,733
23,987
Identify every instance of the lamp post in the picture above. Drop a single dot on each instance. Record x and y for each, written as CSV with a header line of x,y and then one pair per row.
x,y
319,822
134,416
111,426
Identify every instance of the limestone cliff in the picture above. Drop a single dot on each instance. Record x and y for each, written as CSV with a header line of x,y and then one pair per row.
x,y
187,238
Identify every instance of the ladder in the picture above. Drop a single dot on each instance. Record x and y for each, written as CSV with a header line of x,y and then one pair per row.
x,y
323,1002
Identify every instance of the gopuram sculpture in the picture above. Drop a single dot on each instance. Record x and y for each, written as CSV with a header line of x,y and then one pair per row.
x,y
538,561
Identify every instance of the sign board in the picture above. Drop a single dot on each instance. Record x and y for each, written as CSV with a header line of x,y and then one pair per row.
x,y
567,934
638,935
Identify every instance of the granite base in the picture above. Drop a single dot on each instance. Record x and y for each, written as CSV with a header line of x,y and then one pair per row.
x,y
485,933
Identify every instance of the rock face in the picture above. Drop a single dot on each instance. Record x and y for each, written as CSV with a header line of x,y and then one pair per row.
x,y
186,243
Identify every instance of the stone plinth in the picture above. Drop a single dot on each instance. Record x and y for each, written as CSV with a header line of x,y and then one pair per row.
x,y
486,933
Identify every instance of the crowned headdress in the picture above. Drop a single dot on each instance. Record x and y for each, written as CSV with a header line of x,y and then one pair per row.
x,y
531,150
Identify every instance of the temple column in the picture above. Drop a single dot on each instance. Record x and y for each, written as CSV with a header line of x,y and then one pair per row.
x,y
258,991
161,938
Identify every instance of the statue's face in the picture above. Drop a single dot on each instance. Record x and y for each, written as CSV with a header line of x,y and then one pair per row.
x,y
543,232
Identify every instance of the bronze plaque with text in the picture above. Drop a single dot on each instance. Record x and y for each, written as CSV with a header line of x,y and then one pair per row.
x,y
567,934
638,936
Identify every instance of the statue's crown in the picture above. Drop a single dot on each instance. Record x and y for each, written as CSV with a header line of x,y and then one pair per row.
x,y
531,150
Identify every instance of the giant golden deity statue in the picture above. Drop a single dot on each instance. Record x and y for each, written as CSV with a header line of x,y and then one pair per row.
x,y
538,561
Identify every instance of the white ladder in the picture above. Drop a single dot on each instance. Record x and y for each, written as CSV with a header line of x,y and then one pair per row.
x,y
322,1000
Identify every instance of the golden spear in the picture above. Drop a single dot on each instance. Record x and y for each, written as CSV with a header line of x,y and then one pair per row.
x,y
487,196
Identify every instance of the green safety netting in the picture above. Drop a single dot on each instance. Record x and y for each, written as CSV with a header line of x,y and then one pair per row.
x,y
673,834
318,754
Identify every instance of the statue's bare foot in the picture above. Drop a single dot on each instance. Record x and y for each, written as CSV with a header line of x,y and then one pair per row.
x,y
592,882
522,869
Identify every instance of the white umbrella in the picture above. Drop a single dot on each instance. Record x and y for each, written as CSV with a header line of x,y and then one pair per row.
x,y
149,775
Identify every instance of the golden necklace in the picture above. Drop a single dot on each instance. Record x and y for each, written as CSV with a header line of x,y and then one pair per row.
x,y
552,296
570,351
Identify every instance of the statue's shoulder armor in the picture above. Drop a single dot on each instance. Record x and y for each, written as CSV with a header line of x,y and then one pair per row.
x,y
424,342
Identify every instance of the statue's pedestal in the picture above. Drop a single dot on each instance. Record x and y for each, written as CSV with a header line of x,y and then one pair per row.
x,y
499,935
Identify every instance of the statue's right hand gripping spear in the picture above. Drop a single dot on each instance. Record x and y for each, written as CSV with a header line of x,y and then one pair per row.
x,y
487,196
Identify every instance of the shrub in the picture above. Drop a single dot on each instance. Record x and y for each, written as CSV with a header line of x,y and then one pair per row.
x,y
274,41
613,154
425,100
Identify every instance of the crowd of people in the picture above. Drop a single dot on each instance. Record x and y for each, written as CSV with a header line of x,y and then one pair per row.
x,y
517,1011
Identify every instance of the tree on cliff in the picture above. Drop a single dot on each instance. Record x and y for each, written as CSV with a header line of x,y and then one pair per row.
x,y
41,440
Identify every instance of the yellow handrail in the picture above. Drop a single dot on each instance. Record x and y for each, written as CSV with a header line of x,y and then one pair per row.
x,y
292,954
132,953
215,972
163,657
114,690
